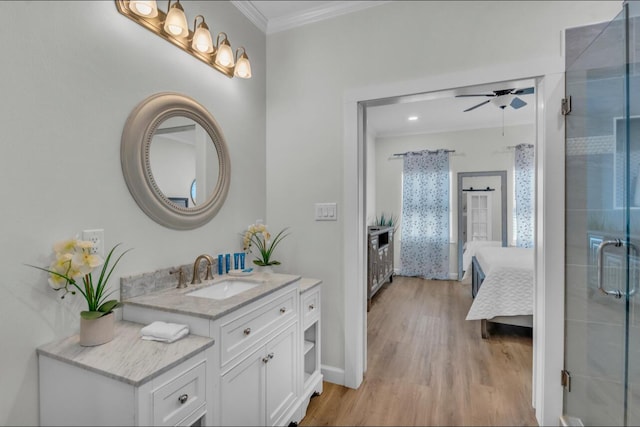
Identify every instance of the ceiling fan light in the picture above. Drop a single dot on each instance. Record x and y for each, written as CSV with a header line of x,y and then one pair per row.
x,y
503,101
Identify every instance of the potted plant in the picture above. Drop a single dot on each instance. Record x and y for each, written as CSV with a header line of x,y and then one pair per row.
x,y
71,272
257,235
385,221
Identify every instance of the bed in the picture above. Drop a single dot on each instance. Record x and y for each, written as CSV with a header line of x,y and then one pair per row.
x,y
502,286
469,252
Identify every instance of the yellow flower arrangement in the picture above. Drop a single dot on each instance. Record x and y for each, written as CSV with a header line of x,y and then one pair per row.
x,y
258,235
74,262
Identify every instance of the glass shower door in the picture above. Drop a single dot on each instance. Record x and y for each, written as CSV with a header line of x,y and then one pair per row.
x,y
602,224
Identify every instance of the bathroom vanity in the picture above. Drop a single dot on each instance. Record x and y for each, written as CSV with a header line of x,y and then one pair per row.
x,y
252,358
126,381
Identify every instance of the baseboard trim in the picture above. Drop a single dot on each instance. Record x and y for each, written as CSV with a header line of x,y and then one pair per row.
x,y
333,375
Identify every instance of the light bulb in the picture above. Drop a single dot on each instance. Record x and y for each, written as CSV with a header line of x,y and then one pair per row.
x,y
146,8
176,22
243,67
202,37
224,55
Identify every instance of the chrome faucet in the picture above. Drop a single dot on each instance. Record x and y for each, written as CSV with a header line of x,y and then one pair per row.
x,y
196,277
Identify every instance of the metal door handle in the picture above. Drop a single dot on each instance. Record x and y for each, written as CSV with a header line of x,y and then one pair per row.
x,y
600,259
617,293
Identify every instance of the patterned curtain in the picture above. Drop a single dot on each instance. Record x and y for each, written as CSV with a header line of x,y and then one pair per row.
x,y
525,194
424,241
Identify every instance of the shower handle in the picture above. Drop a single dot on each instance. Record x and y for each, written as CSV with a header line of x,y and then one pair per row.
x,y
616,293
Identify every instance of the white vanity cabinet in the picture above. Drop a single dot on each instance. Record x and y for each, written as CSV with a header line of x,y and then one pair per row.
x,y
127,381
261,388
259,362
265,365
310,299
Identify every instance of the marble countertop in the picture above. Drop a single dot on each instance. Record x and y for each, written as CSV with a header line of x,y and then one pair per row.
x,y
176,301
126,358
307,283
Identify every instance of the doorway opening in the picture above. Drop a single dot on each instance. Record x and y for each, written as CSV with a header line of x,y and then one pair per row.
x,y
492,125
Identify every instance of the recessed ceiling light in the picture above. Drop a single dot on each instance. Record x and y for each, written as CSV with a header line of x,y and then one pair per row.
x,y
412,118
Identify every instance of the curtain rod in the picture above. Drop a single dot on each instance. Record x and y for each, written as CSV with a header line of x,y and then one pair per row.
x,y
519,145
424,151
478,189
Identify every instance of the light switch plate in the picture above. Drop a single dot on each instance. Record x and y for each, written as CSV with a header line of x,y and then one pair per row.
x,y
326,212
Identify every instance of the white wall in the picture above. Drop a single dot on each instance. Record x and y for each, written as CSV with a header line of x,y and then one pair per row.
x,y
311,68
371,190
476,150
71,74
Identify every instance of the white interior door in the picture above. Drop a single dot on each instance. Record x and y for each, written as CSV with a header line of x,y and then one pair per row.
x,y
478,215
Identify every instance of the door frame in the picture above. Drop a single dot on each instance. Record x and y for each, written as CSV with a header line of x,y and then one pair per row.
x,y
503,208
548,333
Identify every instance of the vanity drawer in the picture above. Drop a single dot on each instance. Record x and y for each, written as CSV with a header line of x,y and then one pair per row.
x,y
177,399
310,307
240,332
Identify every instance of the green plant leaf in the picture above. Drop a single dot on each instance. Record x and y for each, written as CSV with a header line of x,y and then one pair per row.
x,y
109,306
91,314
275,263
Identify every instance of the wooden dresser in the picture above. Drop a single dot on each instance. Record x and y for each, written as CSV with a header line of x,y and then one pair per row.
x,y
380,259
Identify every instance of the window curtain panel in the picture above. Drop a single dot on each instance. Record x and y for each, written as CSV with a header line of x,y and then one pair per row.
x,y
424,241
525,194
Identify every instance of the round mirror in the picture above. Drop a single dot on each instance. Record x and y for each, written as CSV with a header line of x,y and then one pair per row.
x,y
169,143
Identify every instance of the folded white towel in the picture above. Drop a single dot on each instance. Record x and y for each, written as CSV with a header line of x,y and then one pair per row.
x,y
165,332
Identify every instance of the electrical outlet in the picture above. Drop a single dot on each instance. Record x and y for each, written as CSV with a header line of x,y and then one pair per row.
x,y
97,237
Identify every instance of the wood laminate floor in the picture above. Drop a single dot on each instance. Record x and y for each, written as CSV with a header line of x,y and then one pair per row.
x,y
429,366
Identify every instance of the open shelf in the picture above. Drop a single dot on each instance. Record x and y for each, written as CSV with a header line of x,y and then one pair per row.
x,y
308,345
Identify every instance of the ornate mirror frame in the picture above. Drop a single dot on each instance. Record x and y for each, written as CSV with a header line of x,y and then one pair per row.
x,y
136,167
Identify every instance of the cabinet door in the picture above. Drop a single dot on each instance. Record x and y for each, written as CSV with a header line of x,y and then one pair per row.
x,y
242,392
281,371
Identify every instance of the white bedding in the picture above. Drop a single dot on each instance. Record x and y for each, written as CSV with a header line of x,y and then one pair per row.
x,y
507,289
470,249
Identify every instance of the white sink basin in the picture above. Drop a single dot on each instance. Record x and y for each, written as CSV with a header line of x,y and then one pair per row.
x,y
224,289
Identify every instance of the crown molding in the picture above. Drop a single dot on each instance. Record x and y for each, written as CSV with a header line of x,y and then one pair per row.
x,y
297,19
252,13
322,12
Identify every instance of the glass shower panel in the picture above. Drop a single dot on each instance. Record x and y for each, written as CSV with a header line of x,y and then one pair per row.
x,y
632,129
596,211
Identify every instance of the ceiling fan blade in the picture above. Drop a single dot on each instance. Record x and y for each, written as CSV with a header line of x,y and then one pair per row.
x,y
476,106
483,94
525,91
517,103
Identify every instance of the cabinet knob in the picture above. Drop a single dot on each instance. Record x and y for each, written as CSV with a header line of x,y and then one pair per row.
x,y
270,356
247,331
283,310
183,398
311,306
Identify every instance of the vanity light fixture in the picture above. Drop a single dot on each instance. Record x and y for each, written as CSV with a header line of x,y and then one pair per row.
x,y
147,8
412,118
176,21
224,56
172,26
201,36
243,67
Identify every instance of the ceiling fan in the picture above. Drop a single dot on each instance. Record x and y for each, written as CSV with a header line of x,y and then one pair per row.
x,y
502,98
